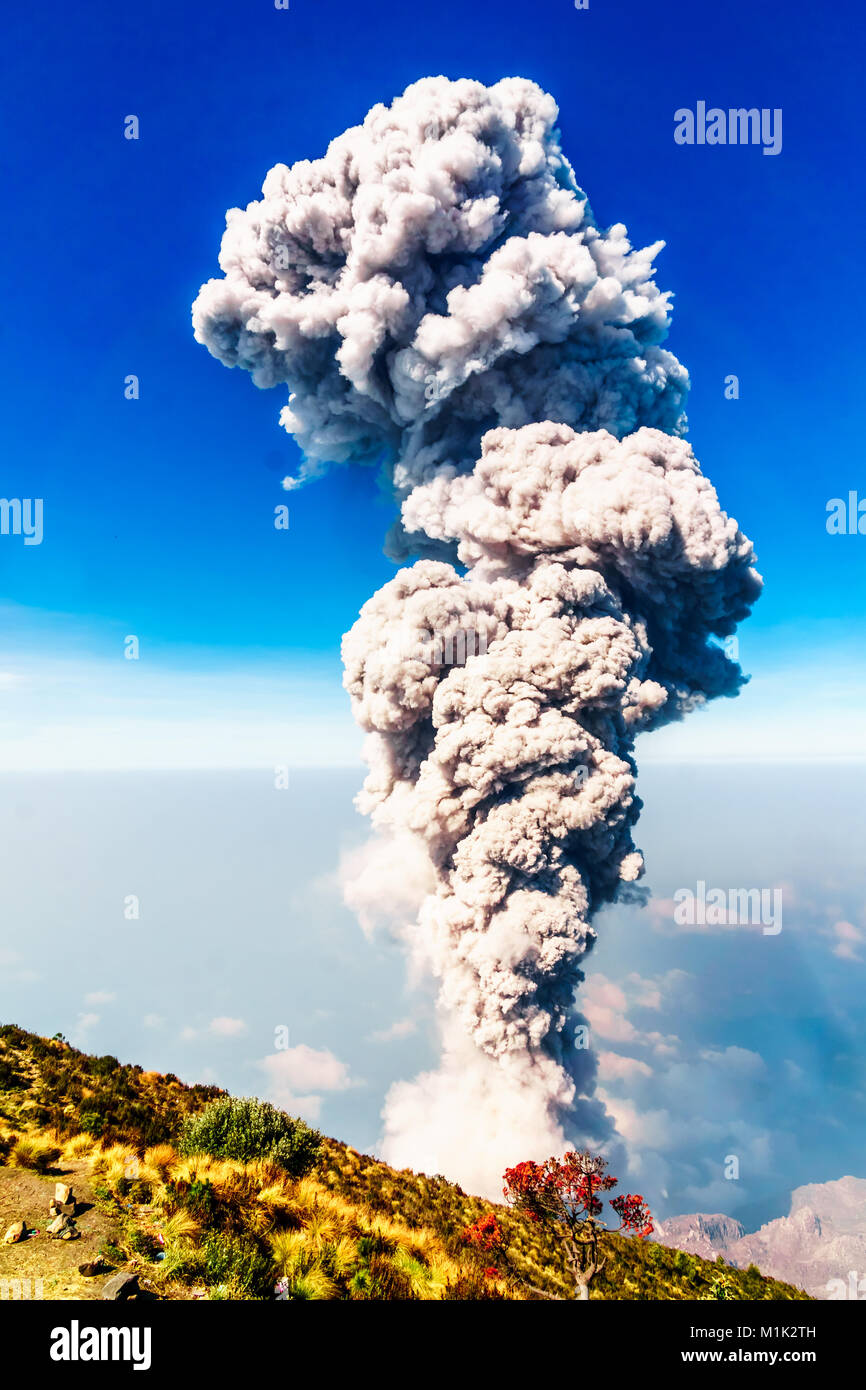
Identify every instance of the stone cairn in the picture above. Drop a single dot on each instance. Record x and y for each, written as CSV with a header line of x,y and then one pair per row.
x,y
61,1211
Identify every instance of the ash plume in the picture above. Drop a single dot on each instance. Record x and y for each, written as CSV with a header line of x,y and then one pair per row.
x,y
438,299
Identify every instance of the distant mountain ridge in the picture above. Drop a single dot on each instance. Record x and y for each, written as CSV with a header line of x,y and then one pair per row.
x,y
820,1246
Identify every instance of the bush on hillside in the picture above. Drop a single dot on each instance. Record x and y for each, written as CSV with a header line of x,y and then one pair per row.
x,y
10,1078
239,1263
35,1154
246,1129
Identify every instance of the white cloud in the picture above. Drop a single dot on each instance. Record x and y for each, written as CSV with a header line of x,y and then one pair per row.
x,y
401,1029
83,1026
221,1027
663,1044
848,939
650,994
604,1005
613,1067
650,997
738,1061
298,1075
100,996
227,1027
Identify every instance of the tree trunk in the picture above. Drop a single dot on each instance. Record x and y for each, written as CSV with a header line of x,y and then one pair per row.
x,y
584,1277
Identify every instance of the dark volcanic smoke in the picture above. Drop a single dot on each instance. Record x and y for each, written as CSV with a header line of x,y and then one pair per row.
x,y
437,297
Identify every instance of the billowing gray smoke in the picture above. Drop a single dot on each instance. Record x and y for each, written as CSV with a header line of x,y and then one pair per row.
x,y
437,297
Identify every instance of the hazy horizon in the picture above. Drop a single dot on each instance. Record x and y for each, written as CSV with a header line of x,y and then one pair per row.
x,y
713,1041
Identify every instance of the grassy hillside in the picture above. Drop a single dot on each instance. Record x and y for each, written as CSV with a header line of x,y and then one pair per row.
x,y
351,1228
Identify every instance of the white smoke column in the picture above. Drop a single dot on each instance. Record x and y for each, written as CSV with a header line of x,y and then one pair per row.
x,y
437,297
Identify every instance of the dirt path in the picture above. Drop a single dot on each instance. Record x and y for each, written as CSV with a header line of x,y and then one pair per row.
x,y
24,1196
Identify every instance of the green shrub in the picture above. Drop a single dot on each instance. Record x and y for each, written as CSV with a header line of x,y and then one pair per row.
x,y
248,1129
143,1244
103,1066
91,1124
134,1190
201,1199
112,1253
10,1078
239,1263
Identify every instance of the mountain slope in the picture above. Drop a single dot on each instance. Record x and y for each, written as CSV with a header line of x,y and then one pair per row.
x,y
817,1245
352,1228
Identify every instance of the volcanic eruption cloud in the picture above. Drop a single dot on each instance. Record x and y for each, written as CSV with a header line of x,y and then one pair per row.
x,y
439,301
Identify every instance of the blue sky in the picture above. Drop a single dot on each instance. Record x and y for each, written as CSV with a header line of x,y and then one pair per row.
x,y
158,523
158,512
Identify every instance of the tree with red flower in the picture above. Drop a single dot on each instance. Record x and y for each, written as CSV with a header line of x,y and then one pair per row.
x,y
564,1195
484,1237
485,1234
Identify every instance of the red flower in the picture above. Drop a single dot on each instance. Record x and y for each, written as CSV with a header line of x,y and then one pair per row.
x,y
634,1214
568,1190
485,1234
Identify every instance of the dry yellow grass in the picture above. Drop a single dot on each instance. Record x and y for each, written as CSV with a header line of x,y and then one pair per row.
x,y
116,1163
158,1162
313,1231
180,1226
78,1147
322,1228
343,1255
291,1255
33,1152
315,1283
